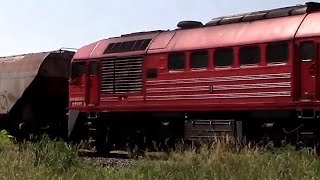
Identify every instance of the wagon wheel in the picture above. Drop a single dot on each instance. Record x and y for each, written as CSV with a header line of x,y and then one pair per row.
x,y
22,121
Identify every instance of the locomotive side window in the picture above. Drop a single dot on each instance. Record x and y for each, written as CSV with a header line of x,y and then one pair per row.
x,y
306,50
176,61
277,52
93,68
223,57
78,69
199,59
249,55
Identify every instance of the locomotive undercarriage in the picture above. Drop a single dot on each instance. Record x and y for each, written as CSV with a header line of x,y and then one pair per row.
x,y
162,131
134,131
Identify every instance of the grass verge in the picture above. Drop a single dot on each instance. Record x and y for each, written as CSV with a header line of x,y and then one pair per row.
x,y
55,160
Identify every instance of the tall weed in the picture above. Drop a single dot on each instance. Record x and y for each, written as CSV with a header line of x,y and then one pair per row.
x,y
55,155
49,159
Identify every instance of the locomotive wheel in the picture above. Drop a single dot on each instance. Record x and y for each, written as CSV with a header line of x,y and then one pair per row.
x,y
103,139
133,150
136,147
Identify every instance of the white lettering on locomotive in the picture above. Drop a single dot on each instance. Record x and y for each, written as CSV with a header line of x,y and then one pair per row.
x,y
77,99
76,103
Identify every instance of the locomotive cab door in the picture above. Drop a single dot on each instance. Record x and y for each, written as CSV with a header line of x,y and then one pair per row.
x,y
309,73
93,84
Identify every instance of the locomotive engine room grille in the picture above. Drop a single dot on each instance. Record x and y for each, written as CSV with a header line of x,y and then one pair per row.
x,y
120,76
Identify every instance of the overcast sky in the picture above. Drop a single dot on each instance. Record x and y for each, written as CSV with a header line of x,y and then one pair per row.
x,y
34,25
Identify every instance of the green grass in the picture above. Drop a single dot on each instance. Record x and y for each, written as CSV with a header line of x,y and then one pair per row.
x,y
55,160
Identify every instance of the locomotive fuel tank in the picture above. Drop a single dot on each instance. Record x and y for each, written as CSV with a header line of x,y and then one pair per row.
x,y
33,92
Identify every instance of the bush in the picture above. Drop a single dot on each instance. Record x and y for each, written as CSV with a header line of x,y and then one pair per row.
x,y
45,159
5,139
55,155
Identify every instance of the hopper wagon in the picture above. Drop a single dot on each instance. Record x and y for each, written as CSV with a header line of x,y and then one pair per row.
x,y
34,93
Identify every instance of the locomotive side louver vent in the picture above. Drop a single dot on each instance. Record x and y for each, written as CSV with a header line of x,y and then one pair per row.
x,y
121,76
127,46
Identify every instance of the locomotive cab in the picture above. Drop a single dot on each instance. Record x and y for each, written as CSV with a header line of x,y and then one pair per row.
x,y
78,83
309,75
306,68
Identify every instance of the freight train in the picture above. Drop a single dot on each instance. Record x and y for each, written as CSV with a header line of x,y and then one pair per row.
x,y
251,76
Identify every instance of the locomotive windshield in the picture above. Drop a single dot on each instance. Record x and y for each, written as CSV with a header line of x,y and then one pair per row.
x,y
77,69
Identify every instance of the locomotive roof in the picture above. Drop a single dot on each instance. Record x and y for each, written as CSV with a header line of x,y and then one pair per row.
x,y
248,28
265,14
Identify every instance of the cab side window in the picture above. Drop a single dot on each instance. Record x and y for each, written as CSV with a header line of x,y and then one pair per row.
x,y
249,55
199,60
306,50
278,52
176,61
223,57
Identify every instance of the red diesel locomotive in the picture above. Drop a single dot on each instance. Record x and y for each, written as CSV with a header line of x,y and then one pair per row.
x,y
253,76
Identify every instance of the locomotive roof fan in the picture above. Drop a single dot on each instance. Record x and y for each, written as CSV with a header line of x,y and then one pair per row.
x,y
312,6
189,24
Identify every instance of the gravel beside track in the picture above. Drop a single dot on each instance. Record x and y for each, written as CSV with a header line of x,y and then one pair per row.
x,y
110,163
114,161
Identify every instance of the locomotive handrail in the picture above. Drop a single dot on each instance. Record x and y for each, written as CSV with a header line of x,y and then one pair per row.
x,y
65,48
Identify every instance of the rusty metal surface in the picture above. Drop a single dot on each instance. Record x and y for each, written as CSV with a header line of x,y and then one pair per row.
x,y
17,73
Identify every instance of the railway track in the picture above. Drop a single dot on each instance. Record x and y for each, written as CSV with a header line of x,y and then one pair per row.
x,y
116,160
